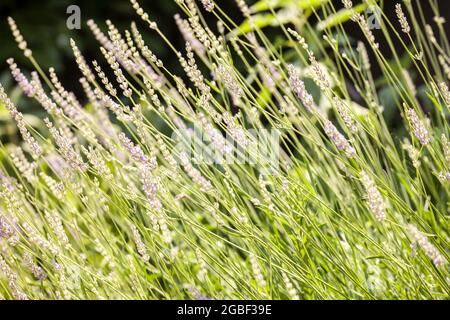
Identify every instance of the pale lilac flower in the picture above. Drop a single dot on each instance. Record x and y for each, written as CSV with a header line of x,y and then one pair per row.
x,y
208,5
348,4
426,246
21,80
150,187
338,139
233,87
298,86
374,198
66,149
259,277
194,174
36,270
418,127
81,62
343,111
136,152
402,19
140,246
35,148
19,38
11,276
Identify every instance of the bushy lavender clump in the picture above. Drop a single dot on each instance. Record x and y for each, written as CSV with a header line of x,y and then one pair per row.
x,y
102,203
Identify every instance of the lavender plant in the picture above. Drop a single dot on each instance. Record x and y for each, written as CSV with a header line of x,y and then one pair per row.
x,y
234,182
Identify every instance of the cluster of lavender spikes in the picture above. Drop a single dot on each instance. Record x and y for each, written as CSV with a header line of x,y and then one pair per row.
x,y
133,208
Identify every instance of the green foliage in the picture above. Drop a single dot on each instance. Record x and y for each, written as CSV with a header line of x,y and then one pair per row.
x,y
114,200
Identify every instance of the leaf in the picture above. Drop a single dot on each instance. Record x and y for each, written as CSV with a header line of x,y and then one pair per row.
x,y
260,20
435,102
308,4
290,12
4,114
340,17
265,5
376,257
264,97
33,121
